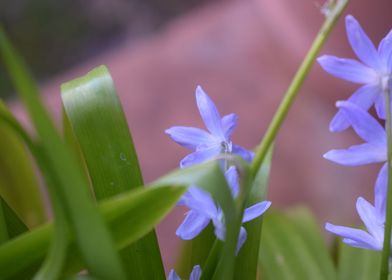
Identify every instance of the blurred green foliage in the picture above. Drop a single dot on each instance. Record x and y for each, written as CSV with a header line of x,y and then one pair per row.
x,y
54,35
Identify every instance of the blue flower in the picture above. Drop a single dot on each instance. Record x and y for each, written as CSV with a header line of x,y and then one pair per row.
x,y
195,274
203,209
374,150
373,70
207,145
371,239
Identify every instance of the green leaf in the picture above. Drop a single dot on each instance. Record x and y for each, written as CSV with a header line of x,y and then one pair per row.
x,y
92,236
99,126
247,259
358,264
18,183
292,251
129,216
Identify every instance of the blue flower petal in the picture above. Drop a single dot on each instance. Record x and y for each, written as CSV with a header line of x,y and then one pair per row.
x,y
348,69
241,239
361,44
200,156
357,155
229,122
363,123
368,215
380,192
380,106
189,137
363,97
242,152
173,275
233,180
209,113
255,210
196,273
385,48
354,237
192,225
200,201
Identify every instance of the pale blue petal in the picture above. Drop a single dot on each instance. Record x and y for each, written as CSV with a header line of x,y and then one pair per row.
x,y
348,69
229,122
380,106
361,44
357,155
380,192
189,137
241,239
367,127
200,156
385,49
370,219
363,97
219,227
209,113
242,152
363,245
200,201
173,275
255,211
233,180
192,225
351,236
196,273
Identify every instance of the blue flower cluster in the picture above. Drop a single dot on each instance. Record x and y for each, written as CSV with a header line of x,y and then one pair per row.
x,y
208,145
374,71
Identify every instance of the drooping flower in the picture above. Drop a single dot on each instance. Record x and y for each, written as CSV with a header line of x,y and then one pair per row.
x,y
195,274
207,145
373,71
371,239
374,150
203,209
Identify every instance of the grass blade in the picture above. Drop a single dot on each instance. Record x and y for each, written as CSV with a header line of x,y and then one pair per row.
x,y
93,237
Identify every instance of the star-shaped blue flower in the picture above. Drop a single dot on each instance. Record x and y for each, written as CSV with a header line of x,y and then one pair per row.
x,y
208,145
371,239
195,274
374,150
203,209
373,71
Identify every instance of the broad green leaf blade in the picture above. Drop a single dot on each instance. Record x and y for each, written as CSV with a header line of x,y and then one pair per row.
x,y
285,252
358,264
101,131
18,183
93,237
247,259
305,223
129,216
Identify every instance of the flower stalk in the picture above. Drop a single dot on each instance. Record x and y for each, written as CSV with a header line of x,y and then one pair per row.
x,y
335,10
386,252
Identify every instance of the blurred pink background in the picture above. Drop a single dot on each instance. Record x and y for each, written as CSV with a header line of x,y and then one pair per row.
x,y
244,54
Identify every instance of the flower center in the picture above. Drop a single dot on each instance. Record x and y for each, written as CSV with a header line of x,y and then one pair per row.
x,y
226,147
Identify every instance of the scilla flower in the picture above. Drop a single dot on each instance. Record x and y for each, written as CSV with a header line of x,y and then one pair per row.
x,y
195,274
207,145
203,209
371,239
374,150
373,71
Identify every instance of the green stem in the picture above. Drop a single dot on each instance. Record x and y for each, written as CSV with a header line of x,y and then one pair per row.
x,y
296,84
386,252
